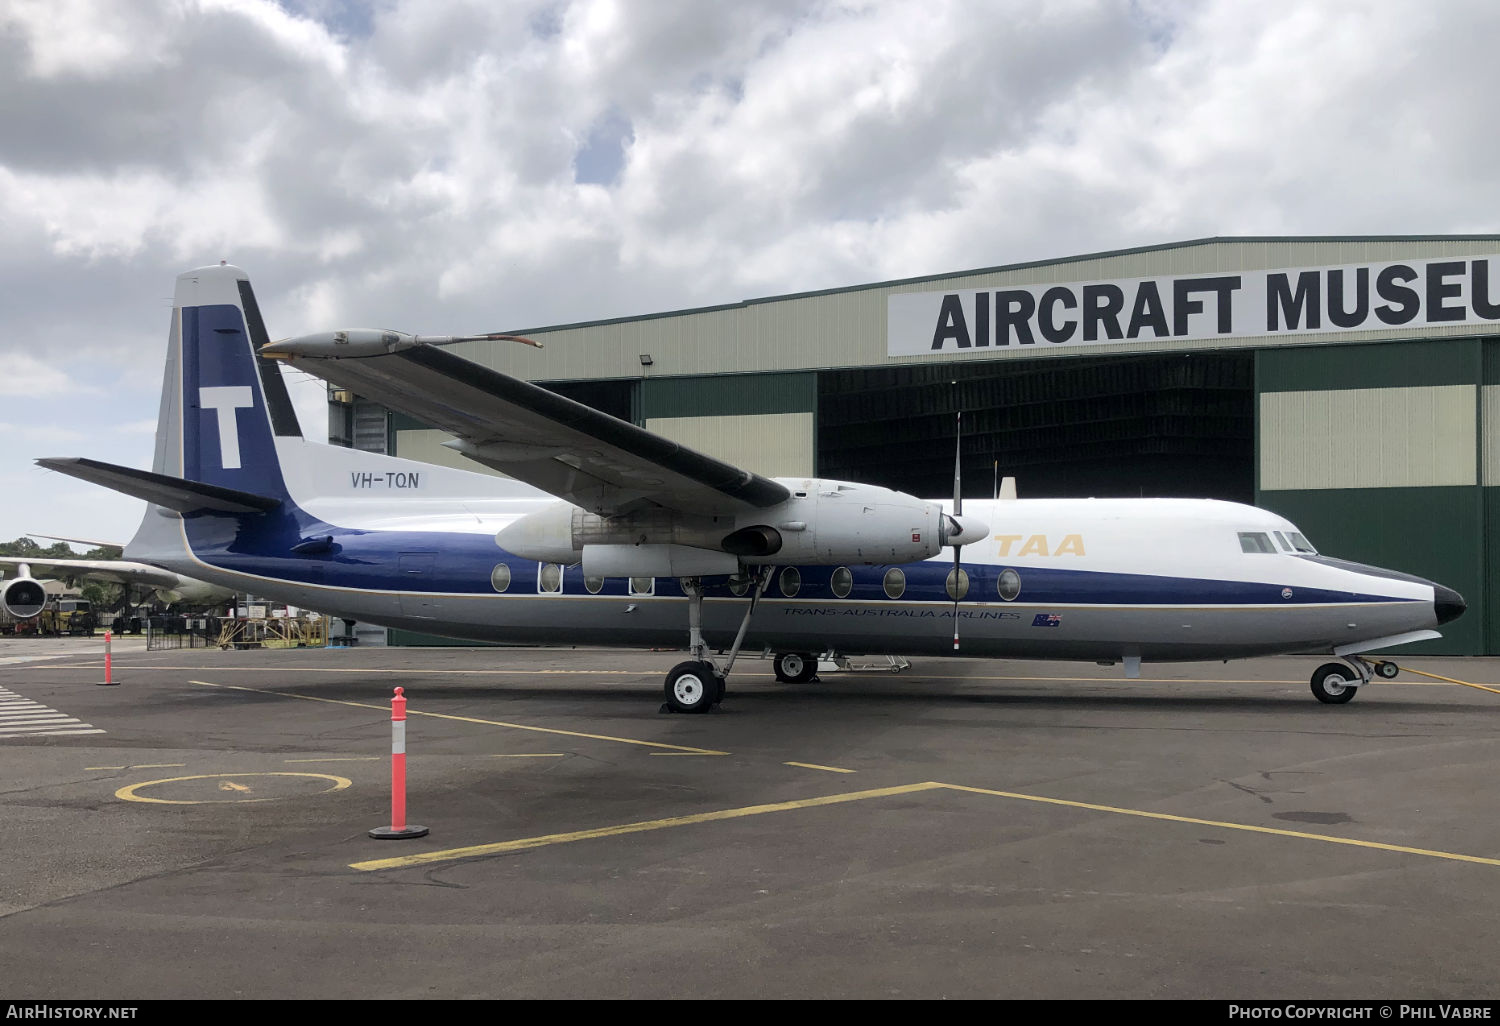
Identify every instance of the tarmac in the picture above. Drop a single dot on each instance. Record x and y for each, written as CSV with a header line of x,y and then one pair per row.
x,y
200,828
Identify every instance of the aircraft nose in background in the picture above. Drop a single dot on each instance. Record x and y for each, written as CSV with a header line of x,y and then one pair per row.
x,y
1447,603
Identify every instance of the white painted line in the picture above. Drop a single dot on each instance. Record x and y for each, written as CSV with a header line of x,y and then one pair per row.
x,y
12,731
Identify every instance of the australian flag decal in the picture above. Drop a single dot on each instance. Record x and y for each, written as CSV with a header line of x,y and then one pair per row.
x,y
1046,620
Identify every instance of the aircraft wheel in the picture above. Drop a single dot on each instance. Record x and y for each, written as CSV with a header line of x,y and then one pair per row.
x,y
693,687
1331,683
795,667
1388,670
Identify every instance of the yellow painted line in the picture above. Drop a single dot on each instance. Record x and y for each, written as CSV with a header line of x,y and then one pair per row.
x,y
500,847
357,758
410,712
230,785
88,768
813,765
690,753
159,765
1450,680
128,794
1220,824
541,755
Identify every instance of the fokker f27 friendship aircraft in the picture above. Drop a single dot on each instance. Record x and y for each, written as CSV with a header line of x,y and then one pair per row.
x,y
609,534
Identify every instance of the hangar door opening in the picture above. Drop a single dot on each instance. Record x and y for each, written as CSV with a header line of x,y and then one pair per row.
x,y
1180,424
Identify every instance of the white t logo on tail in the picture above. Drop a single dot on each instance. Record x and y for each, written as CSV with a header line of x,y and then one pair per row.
x,y
226,399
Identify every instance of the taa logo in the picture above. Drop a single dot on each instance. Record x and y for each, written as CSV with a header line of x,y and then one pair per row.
x,y
227,399
1036,545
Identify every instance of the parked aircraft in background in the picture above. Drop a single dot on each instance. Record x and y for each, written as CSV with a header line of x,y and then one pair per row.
x,y
22,594
609,534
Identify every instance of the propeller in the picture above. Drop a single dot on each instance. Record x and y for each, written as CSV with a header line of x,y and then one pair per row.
x,y
958,511
958,531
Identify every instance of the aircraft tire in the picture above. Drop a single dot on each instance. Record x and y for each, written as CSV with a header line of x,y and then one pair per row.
x,y
693,687
1330,684
795,667
1387,669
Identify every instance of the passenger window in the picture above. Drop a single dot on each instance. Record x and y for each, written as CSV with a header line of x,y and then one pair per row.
x,y
791,581
1255,541
500,577
549,579
842,582
643,585
894,583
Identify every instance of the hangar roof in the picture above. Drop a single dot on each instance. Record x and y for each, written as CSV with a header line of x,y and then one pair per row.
x,y
854,326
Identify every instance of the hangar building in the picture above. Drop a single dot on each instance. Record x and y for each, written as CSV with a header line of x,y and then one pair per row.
x,y
1350,384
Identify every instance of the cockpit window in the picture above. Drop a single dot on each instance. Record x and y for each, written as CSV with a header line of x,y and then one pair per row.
x,y
1255,541
1286,546
1301,544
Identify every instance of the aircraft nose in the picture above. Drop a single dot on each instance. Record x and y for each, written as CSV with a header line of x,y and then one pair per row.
x,y
1447,604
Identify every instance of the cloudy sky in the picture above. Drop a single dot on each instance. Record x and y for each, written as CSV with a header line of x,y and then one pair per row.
x,y
449,167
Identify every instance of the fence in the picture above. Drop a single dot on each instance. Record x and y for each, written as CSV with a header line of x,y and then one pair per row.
x,y
171,632
164,634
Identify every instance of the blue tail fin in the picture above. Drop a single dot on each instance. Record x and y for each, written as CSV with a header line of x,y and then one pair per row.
x,y
234,403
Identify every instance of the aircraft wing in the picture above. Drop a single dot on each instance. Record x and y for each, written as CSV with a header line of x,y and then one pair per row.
x,y
118,570
591,459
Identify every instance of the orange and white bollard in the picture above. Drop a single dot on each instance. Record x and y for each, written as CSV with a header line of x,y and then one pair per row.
x,y
399,828
107,679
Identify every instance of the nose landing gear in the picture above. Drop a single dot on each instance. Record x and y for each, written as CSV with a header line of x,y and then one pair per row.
x,y
1335,683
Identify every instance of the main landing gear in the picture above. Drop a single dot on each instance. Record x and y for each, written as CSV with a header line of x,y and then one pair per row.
x,y
795,667
1335,683
698,685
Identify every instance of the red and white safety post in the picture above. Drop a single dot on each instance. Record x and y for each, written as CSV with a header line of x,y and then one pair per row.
x,y
106,679
399,828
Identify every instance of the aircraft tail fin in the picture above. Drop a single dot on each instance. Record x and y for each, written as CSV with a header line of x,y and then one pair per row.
x,y
223,404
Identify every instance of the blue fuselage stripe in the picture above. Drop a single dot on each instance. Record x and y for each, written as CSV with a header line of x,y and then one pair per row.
x,y
432,562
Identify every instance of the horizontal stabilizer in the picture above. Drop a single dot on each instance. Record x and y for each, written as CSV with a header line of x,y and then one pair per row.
x,y
172,492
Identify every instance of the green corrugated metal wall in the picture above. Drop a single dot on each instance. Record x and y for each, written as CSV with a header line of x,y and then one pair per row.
x,y
729,395
1435,532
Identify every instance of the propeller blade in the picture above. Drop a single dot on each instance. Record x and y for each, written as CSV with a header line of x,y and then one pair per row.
x,y
958,509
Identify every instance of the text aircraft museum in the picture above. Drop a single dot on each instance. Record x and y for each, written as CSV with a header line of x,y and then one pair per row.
x,y
1349,384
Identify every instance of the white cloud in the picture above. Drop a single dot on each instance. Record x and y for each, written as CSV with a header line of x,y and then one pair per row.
x,y
23,375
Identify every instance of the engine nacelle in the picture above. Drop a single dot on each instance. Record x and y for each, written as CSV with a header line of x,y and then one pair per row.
x,y
23,597
558,533
836,522
823,523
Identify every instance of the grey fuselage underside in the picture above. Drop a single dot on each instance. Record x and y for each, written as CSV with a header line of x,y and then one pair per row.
x,y
994,629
